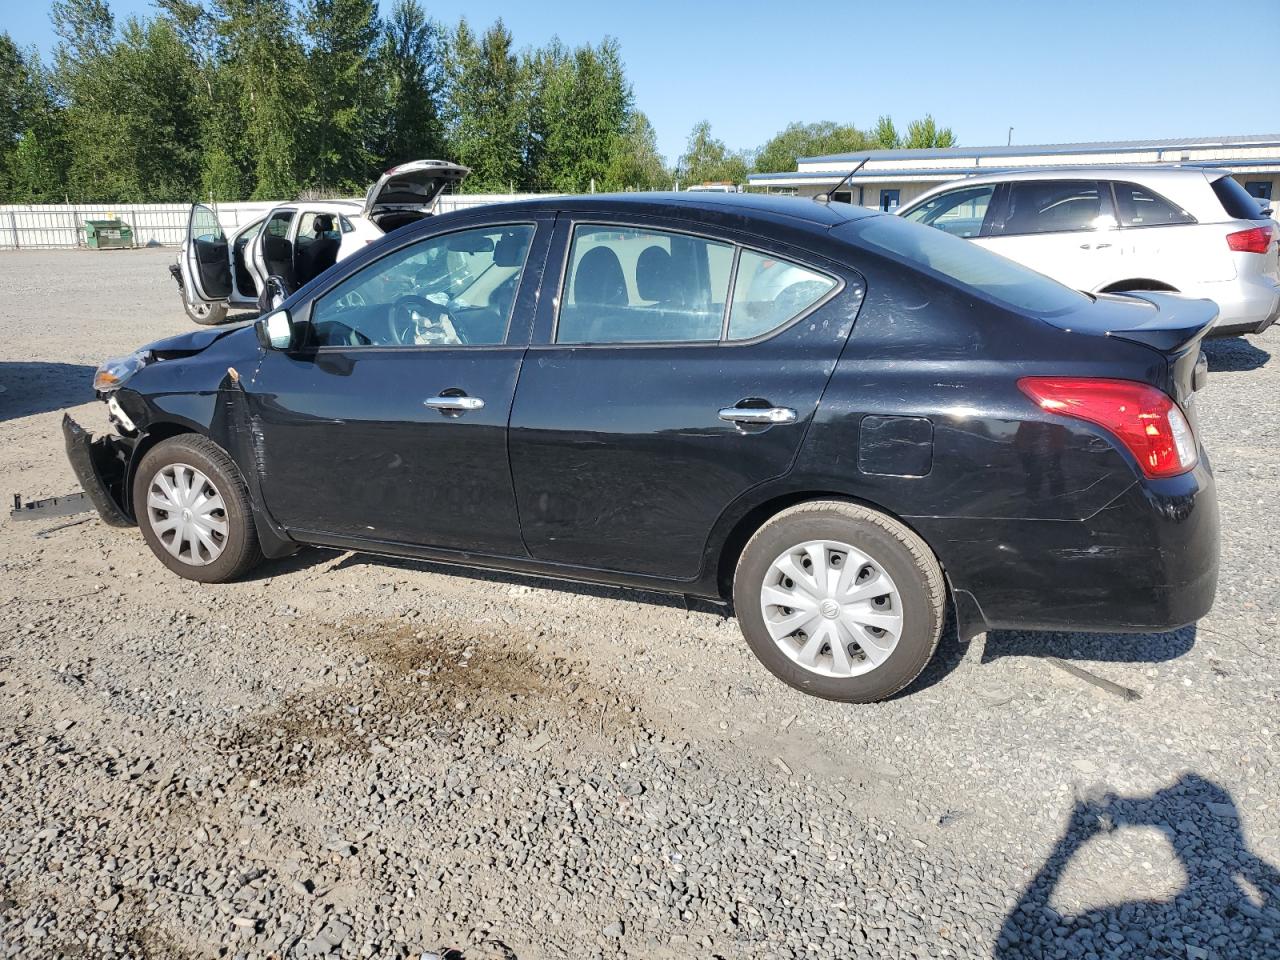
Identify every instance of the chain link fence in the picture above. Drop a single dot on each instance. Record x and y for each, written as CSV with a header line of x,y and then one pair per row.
x,y
50,226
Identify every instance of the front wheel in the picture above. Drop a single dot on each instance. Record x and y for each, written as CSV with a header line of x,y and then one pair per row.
x,y
204,313
193,509
840,601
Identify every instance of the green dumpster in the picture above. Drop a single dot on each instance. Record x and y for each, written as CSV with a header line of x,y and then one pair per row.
x,y
107,235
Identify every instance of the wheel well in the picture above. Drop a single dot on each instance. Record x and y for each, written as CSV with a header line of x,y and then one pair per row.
x,y
1138,283
155,434
755,518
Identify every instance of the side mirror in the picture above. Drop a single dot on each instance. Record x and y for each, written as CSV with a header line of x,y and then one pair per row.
x,y
275,330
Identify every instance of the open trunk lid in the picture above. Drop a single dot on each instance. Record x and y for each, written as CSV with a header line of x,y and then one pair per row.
x,y
408,192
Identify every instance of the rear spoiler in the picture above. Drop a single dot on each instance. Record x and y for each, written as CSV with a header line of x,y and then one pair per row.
x,y
1174,326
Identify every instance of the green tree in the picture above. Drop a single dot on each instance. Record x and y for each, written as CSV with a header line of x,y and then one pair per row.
x,y
923,134
411,60
885,135
32,144
634,161
343,84
489,113
708,160
781,153
580,105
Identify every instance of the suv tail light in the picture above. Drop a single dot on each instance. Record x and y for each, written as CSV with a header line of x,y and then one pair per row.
x,y
1253,240
1144,419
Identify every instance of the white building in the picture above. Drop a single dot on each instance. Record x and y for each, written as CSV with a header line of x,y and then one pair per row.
x,y
891,178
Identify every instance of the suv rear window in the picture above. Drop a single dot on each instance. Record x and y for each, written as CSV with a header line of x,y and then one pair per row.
x,y
1235,200
1139,207
968,264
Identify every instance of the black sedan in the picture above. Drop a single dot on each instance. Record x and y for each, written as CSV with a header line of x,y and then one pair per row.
x,y
838,421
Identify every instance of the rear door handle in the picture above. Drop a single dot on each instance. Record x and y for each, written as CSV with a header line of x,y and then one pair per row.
x,y
758,415
453,404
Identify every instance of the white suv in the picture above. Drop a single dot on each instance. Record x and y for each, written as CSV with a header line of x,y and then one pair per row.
x,y
1187,230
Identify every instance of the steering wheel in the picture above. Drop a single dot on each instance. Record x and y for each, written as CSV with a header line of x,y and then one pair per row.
x,y
407,330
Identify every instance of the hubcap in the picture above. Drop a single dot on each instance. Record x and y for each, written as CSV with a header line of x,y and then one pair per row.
x,y
187,514
831,608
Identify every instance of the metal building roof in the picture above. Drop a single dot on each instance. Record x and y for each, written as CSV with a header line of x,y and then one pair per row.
x,y
1056,149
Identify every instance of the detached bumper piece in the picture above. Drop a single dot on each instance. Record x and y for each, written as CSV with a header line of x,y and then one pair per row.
x,y
101,466
67,506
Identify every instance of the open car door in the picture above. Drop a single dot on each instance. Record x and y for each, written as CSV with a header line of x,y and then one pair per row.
x,y
408,192
208,260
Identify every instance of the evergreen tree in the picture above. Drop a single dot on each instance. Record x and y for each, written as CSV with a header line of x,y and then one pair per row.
x,y
342,79
488,106
923,134
410,126
32,141
885,135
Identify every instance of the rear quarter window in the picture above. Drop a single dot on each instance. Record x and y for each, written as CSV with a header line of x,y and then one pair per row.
x,y
1235,200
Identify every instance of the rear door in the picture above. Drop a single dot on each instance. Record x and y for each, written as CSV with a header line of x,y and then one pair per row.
x,y
272,251
1066,229
645,407
207,258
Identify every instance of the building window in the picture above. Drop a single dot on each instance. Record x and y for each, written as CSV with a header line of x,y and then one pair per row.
x,y
889,199
1261,189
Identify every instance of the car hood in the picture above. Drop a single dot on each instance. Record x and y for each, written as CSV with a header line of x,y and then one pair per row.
x,y
193,342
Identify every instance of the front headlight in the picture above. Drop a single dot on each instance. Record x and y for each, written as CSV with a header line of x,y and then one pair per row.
x,y
117,370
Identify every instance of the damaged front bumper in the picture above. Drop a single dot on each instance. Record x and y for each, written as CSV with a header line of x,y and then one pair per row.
x,y
102,468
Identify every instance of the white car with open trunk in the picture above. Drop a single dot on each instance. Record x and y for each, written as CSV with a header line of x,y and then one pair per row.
x,y
270,257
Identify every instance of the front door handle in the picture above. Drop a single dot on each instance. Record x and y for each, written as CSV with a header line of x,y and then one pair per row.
x,y
453,404
758,415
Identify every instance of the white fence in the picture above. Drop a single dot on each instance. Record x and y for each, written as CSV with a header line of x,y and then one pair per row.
x,y
44,226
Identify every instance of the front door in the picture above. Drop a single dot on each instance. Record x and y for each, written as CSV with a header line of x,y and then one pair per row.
x,y
645,407
208,259
389,424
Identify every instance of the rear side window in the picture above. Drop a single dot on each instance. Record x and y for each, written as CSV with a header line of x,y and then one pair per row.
x,y
1138,207
1057,206
770,292
958,212
1235,200
968,264
628,285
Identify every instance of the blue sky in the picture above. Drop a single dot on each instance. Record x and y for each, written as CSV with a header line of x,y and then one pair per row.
x,y
1053,71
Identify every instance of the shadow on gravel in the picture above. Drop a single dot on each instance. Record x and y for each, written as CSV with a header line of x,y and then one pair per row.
x,y
1233,355
1100,647
37,387
1228,906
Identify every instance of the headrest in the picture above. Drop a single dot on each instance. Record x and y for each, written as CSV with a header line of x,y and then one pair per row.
x,y
323,223
653,274
599,280
509,251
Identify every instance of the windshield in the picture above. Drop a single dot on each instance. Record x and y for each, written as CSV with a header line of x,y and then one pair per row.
x,y
966,263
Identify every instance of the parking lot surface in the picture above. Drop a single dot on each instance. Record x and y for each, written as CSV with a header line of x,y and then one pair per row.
x,y
347,756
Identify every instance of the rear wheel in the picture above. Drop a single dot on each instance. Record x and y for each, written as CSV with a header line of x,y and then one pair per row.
x,y
840,601
205,314
193,509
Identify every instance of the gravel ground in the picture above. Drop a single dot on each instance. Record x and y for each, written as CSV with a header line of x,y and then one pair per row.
x,y
347,756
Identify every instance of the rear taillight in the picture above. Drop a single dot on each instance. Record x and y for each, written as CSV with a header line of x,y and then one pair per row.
x,y
1253,240
1144,419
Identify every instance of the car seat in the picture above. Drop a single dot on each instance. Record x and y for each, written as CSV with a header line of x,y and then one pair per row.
x,y
598,284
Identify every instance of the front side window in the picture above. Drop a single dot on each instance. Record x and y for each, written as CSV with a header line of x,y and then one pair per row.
x,y
958,212
1057,206
769,293
1138,207
631,285
452,290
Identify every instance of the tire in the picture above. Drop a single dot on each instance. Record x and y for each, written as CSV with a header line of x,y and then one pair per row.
x,y
871,663
205,314
191,457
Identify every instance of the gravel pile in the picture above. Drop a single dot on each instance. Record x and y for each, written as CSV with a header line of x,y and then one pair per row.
x,y
353,757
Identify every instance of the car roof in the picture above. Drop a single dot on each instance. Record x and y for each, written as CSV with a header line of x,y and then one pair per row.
x,y
796,211
1129,172
348,207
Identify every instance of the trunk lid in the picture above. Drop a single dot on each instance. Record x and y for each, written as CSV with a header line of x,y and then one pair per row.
x,y
408,191
1171,325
